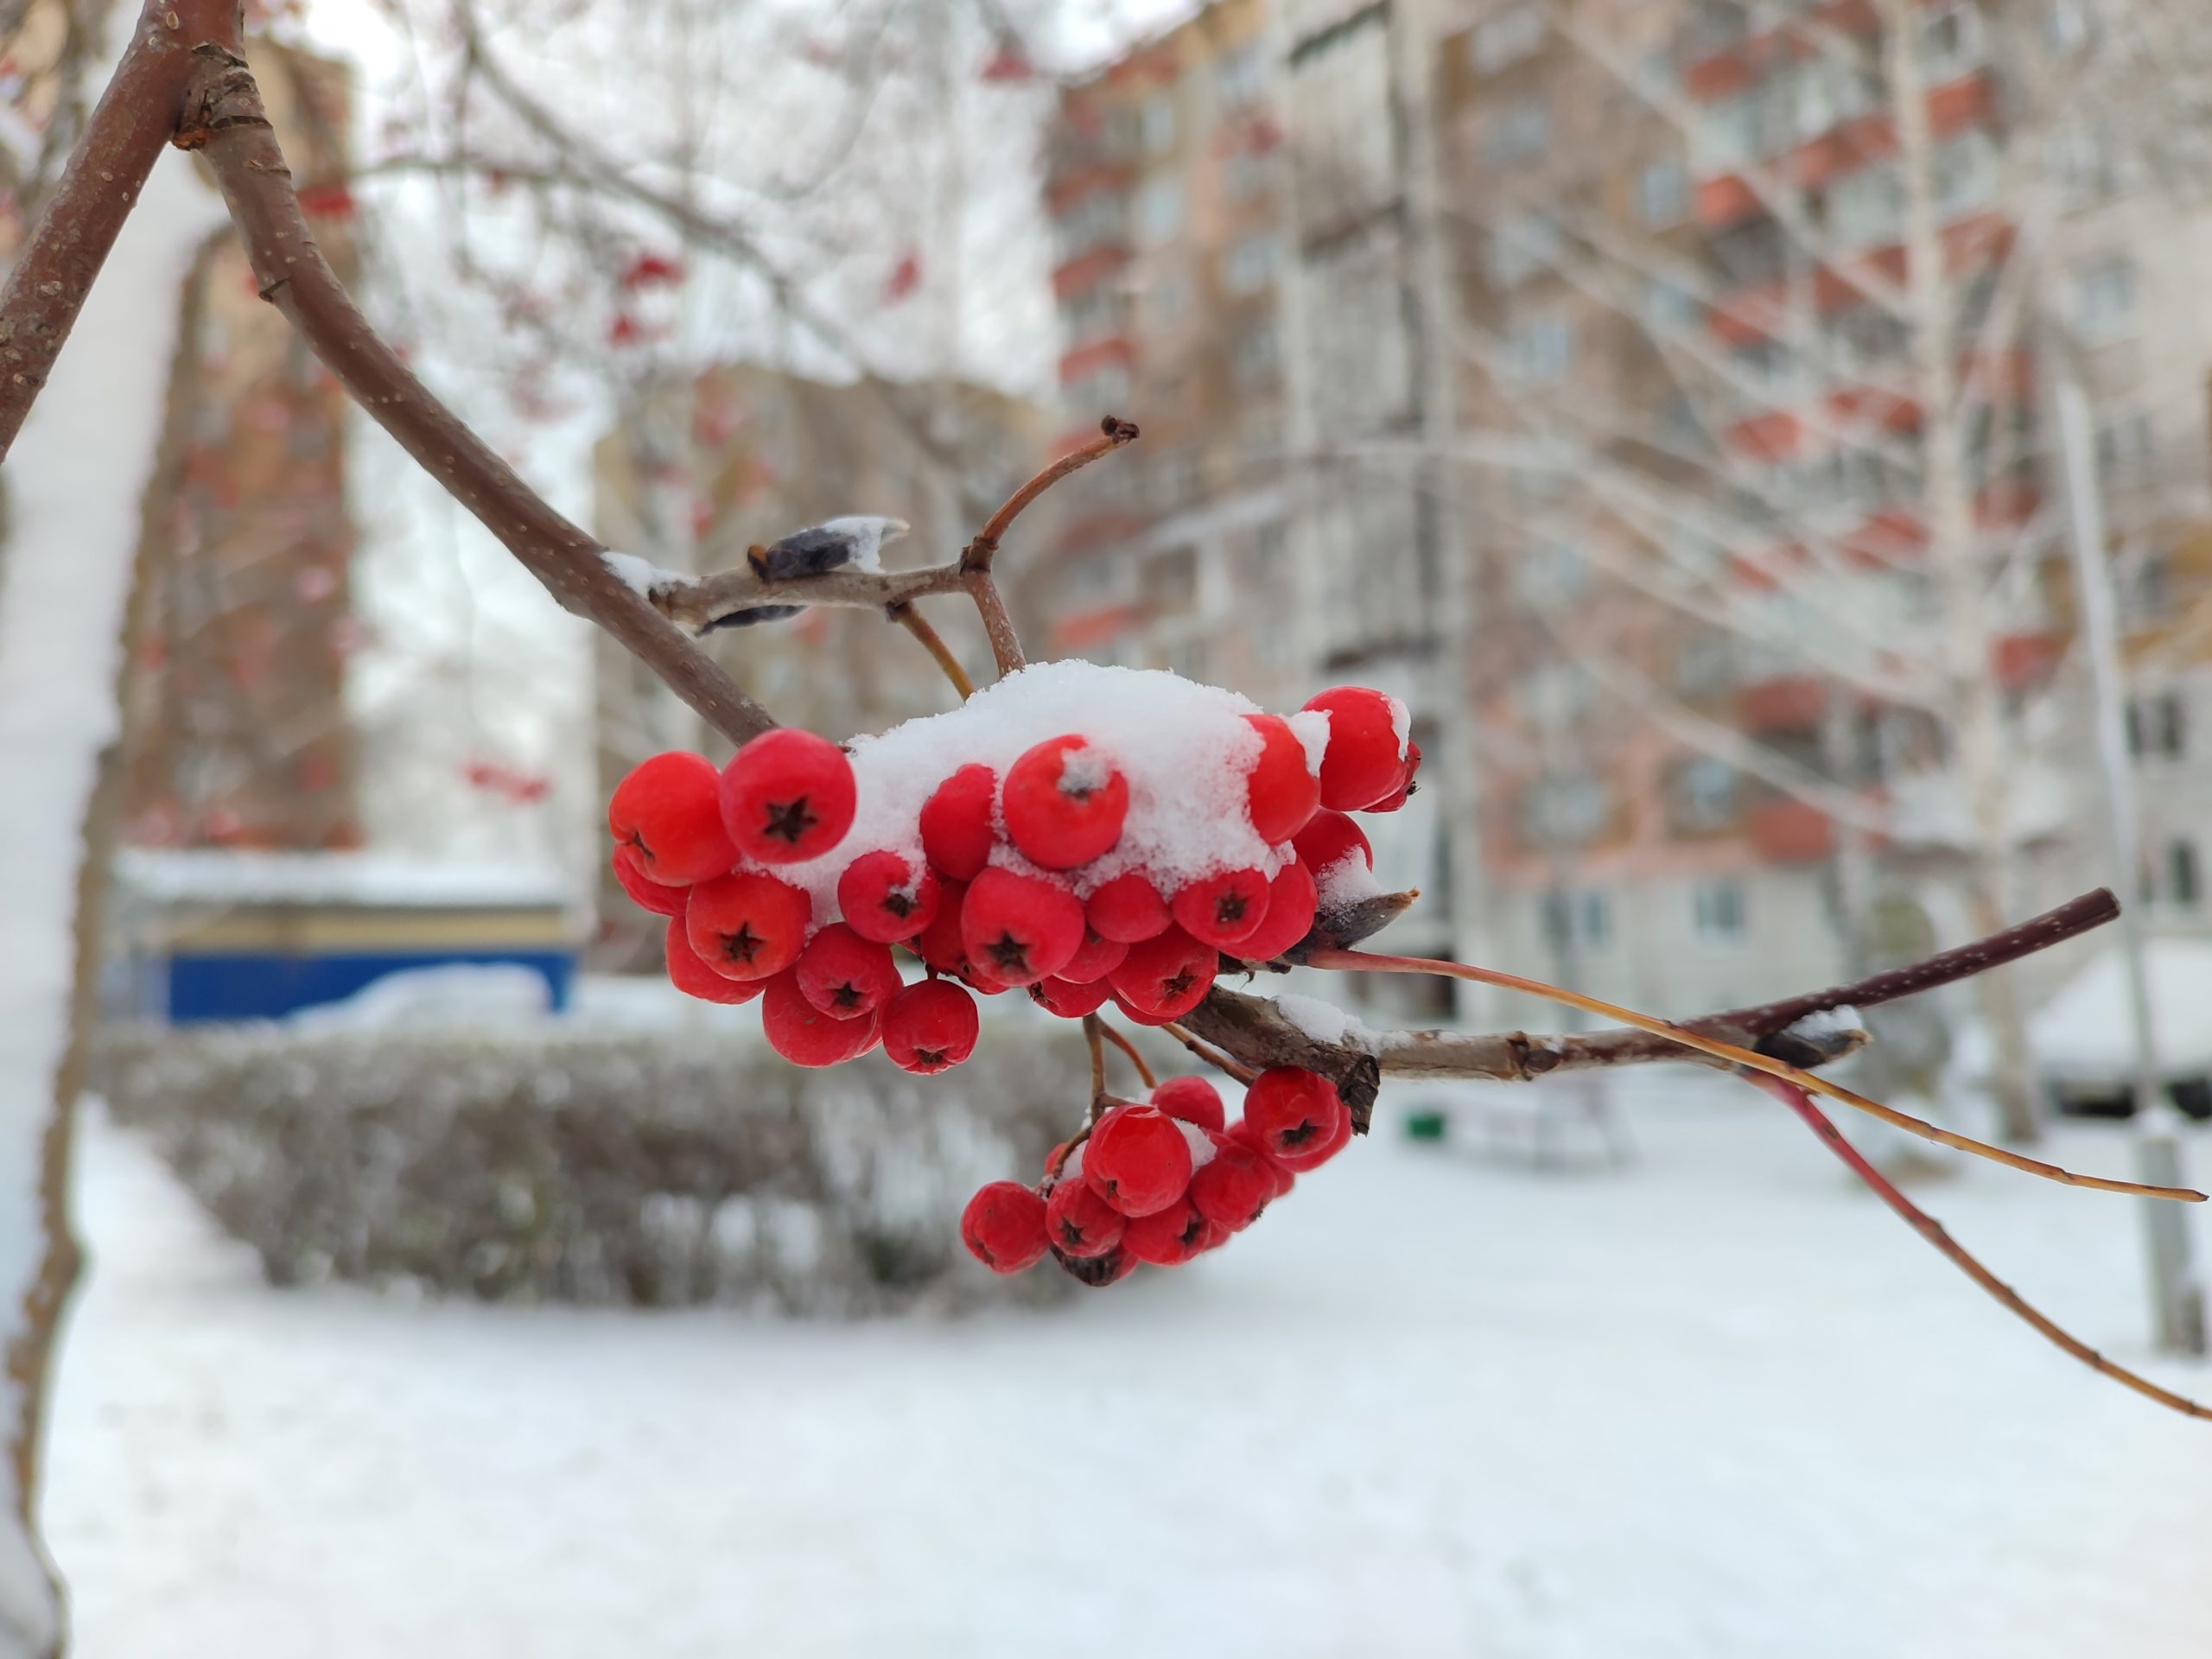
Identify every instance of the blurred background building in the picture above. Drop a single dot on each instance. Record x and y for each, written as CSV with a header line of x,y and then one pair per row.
x,y
1567,367
240,732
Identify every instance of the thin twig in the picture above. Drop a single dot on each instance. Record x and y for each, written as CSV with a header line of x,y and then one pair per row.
x,y
1113,433
1092,1025
2077,916
998,626
225,108
1928,1228
908,618
1144,1072
1360,960
1212,1056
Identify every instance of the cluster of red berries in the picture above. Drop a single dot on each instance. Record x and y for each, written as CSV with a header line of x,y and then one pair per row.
x,y
1006,894
1161,1182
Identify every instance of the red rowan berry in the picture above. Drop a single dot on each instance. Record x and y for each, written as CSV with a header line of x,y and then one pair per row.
x,y
846,976
1169,1237
1398,797
929,1027
1244,1135
938,943
748,925
1070,1000
1291,1110
1234,1186
883,897
1365,759
1128,909
647,893
804,1035
1292,901
1081,1224
1065,803
1191,1099
1137,1160
1328,840
668,812
1097,1271
1003,1227
1338,1138
693,977
1095,958
1281,791
955,823
1137,1016
788,796
1222,910
1016,929
1164,978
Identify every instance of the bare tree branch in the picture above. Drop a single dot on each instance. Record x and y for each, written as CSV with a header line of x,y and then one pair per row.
x,y
224,116
129,129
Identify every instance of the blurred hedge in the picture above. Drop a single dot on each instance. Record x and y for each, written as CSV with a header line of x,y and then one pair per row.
x,y
664,1170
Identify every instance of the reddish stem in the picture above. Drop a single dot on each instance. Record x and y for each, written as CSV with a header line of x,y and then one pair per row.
x,y
1933,1230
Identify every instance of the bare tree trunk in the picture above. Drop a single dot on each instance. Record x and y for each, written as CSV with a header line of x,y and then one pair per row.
x,y
1976,712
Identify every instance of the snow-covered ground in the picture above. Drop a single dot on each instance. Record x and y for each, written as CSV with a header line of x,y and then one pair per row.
x,y
1714,1406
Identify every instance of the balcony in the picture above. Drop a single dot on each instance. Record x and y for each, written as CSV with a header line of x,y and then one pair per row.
x,y
1786,830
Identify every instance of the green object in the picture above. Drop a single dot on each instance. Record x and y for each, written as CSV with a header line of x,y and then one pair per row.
x,y
1424,1126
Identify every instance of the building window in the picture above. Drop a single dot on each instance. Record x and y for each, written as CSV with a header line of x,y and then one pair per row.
x,y
1866,207
1168,297
1950,40
1170,580
2184,885
1566,809
1520,132
1243,175
1670,307
1255,354
1552,574
1662,194
1156,125
1251,266
1506,38
1102,391
1966,173
1240,77
1700,795
1716,907
2124,451
1570,918
1521,246
1540,349
1160,209
2104,299
2157,726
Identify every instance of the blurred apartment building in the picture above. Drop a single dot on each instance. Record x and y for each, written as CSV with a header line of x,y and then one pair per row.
x,y
698,469
1578,316
239,735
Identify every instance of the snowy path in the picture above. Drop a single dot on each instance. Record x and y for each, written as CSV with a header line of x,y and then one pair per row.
x,y
1719,1406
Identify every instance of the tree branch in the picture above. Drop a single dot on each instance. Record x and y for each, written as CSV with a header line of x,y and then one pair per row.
x,y
224,116
133,123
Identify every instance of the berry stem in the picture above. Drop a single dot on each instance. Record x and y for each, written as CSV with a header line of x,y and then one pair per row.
x,y
1092,1025
908,618
1144,1072
1790,1095
1213,1057
1364,961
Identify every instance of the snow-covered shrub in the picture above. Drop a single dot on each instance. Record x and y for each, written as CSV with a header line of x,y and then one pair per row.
x,y
670,1169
